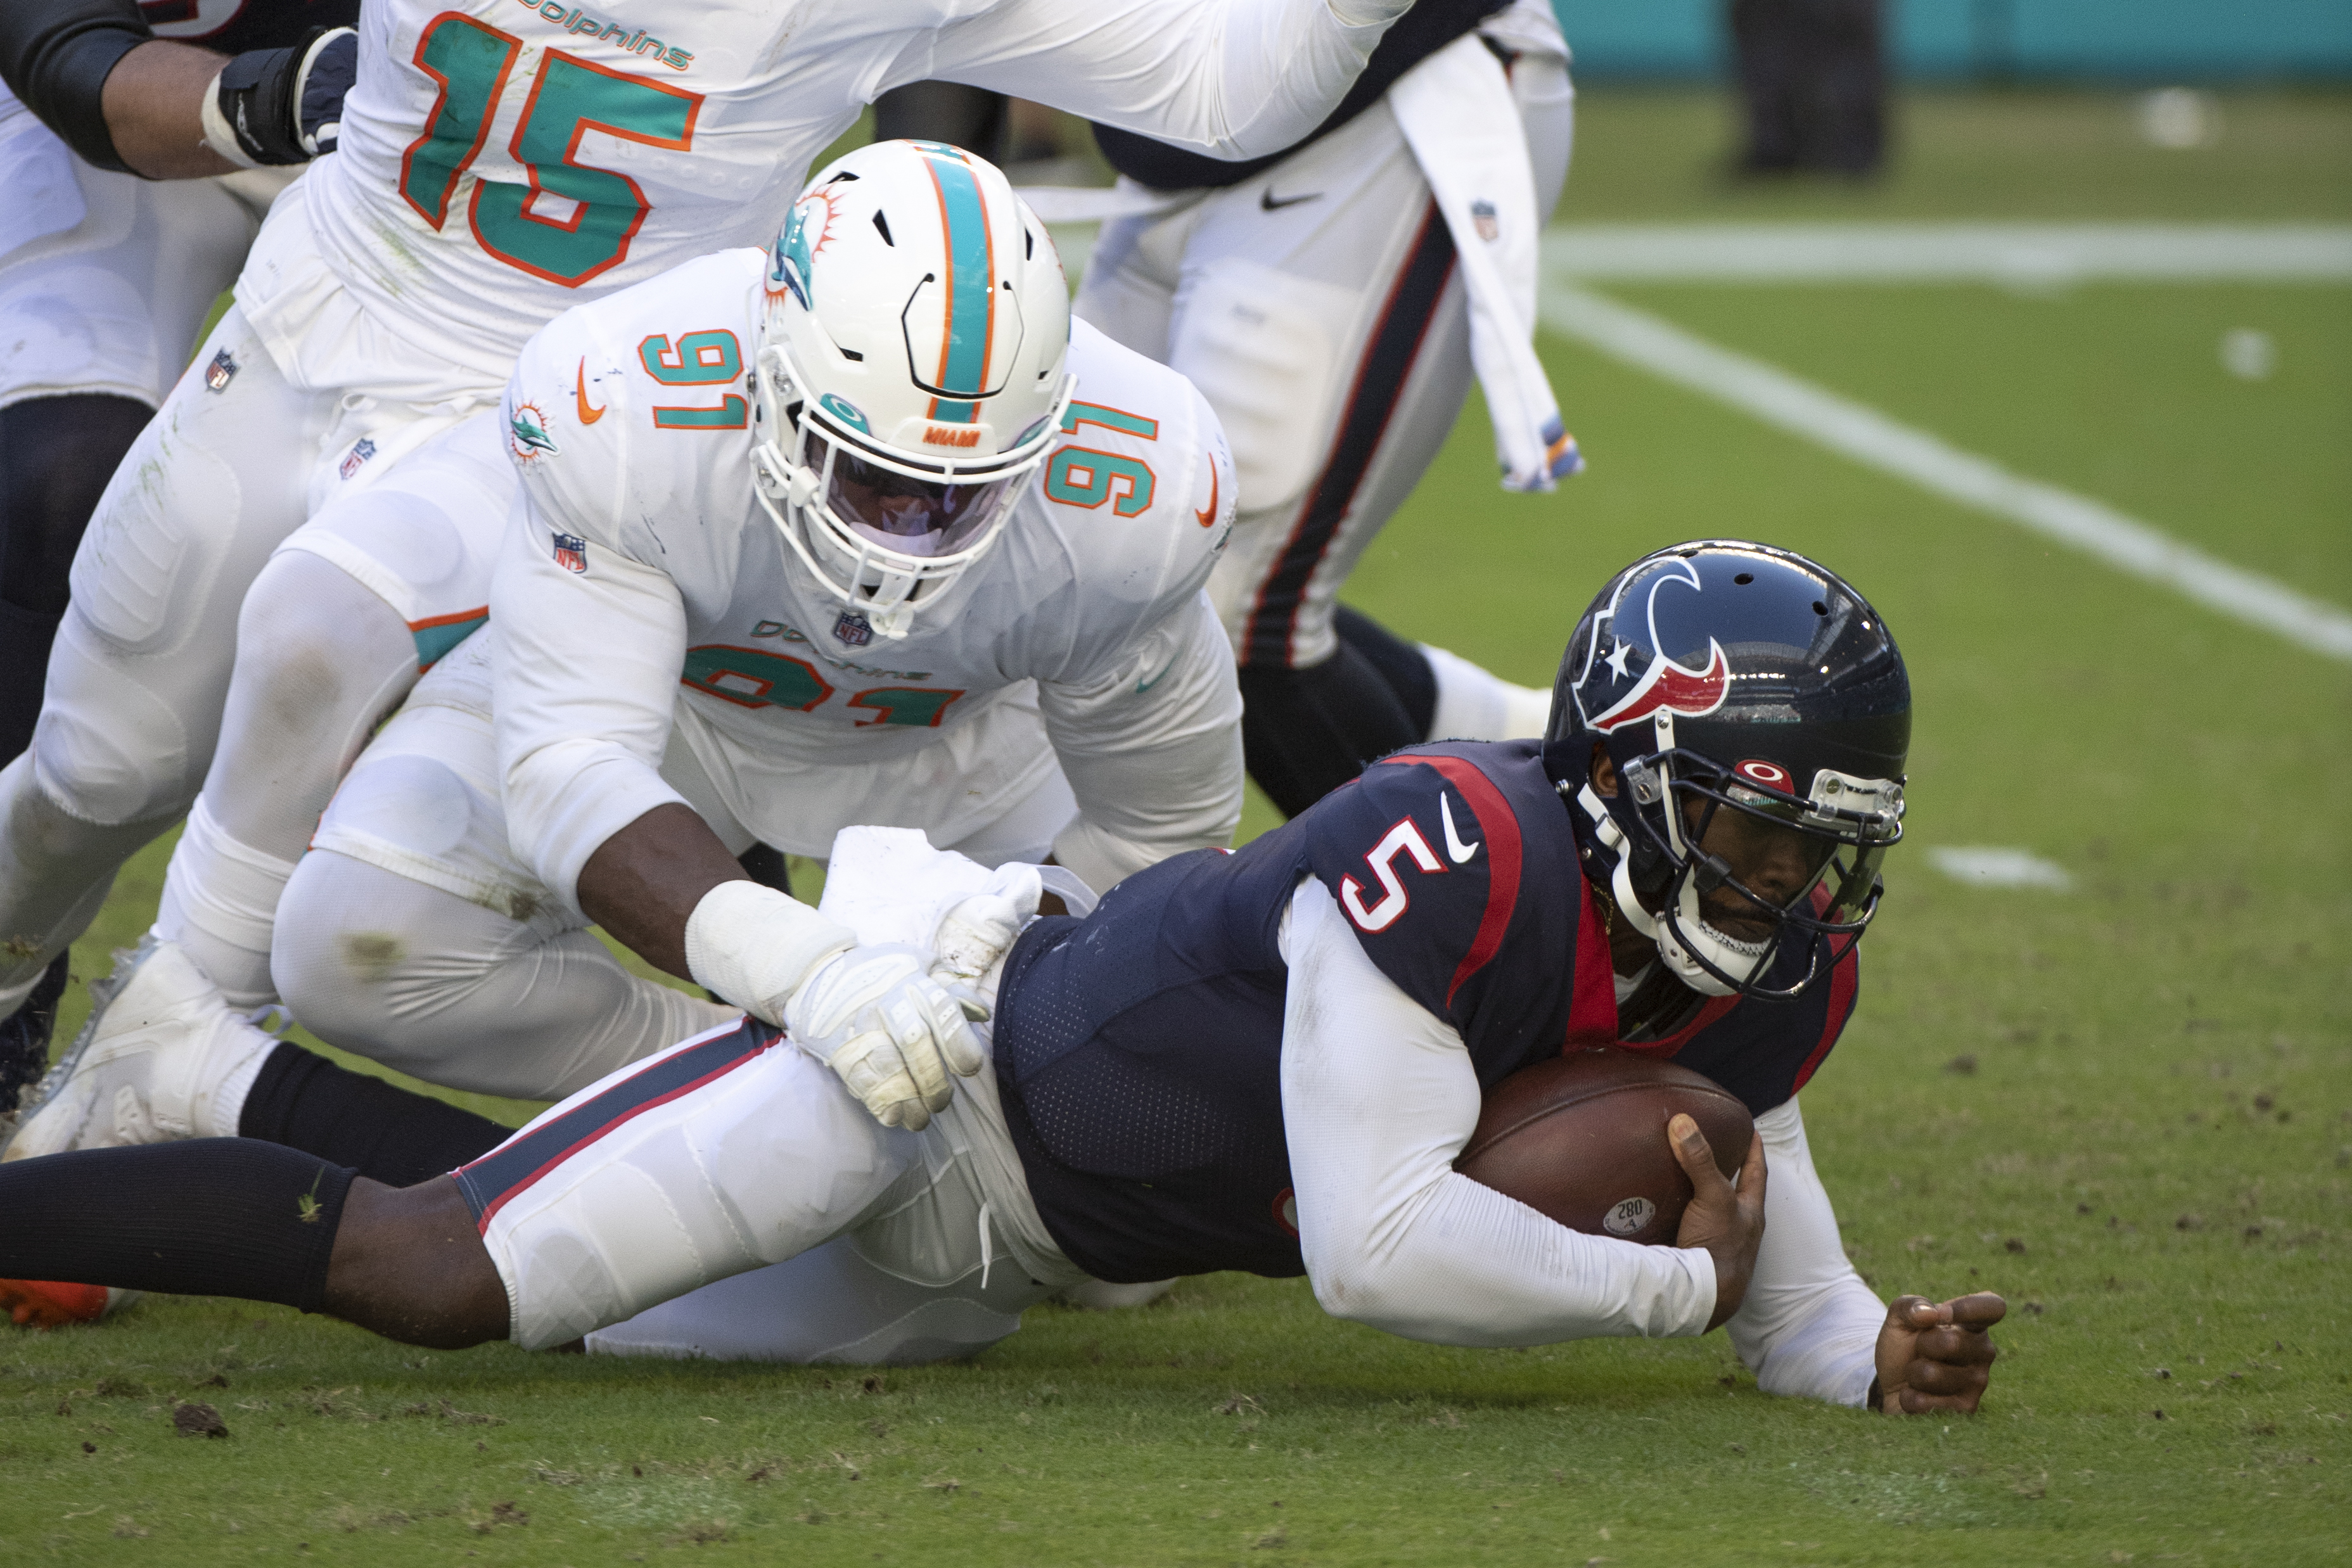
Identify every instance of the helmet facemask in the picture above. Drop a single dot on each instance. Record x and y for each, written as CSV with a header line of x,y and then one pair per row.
x,y
1825,850
878,532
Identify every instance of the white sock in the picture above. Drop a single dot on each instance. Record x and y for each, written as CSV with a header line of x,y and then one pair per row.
x,y
218,1113
1478,705
220,904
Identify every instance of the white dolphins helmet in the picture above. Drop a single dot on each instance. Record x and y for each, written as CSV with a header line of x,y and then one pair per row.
x,y
911,375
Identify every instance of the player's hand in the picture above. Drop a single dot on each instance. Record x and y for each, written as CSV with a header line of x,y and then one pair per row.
x,y
1936,1356
1727,1221
891,1032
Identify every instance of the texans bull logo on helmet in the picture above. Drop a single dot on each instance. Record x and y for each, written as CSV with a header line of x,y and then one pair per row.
x,y
1662,684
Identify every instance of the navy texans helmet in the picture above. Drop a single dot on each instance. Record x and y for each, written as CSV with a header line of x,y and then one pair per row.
x,y
1728,676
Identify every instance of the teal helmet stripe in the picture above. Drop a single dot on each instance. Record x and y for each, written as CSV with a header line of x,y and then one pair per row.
x,y
970,283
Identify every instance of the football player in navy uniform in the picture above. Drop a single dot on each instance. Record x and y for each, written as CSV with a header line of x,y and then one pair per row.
x,y
1264,1061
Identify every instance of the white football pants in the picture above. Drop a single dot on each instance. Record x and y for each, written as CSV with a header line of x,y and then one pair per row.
x,y
352,608
132,706
411,934
732,1150
1317,307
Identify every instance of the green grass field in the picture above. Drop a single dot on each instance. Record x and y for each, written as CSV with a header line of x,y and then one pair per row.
x,y
2128,1107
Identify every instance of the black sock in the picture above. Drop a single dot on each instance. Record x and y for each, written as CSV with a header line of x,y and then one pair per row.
x,y
387,1135
212,1217
1307,732
1401,663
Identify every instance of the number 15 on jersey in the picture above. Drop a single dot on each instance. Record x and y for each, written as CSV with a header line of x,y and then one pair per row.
x,y
570,222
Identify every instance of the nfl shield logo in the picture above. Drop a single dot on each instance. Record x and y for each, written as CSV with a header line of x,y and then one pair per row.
x,y
221,372
360,453
852,630
1482,213
572,552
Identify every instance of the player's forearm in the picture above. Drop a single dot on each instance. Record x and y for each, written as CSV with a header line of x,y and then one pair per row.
x,y
1379,1097
1237,78
154,101
56,55
642,884
1462,1264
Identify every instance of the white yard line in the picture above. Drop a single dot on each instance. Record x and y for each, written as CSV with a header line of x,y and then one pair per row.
x,y
1869,437
2030,255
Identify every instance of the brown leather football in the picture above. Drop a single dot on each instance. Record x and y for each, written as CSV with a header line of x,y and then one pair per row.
x,y
1582,1140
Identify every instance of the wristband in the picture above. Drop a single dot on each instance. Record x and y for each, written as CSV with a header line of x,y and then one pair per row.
x,y
754,945
219,134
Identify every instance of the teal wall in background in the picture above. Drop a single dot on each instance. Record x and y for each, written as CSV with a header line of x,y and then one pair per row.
x,y
2120,40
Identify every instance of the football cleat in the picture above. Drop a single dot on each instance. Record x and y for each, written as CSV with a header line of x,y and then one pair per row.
x,y
148,1066
25,1037
47,1304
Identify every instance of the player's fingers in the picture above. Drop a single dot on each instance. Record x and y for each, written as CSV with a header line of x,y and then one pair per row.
x,y
1978,1312
1697,1160
1915,1403
1901,1312
1936,1377
1957,1346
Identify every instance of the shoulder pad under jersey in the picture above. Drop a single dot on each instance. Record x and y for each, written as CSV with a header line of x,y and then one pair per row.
x,y
1141,483
640,403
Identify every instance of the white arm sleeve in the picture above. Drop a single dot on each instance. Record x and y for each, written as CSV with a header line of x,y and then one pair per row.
x,y
1378,1099
1237,78
1152,750
1809,1325
585,675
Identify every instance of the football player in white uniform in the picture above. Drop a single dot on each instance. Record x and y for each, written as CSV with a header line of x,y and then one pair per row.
x,y
497,163
856,527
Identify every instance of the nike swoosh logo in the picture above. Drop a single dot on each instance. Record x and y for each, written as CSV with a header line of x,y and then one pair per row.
x,y
588,414
1454,848
1143,686
1269,203
1207,516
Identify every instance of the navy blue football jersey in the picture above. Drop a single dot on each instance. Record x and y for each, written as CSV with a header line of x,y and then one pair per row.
x,y
1139,1051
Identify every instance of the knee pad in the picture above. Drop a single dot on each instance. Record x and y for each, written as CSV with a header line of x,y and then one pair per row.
x,y
107,749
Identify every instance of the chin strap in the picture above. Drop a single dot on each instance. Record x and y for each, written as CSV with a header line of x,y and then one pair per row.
x,y
1686,930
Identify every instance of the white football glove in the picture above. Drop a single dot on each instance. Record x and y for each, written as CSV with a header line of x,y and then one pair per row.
x,y
893,1032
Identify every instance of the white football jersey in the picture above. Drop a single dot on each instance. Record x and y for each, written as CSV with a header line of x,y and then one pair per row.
x,y
644,583
501,159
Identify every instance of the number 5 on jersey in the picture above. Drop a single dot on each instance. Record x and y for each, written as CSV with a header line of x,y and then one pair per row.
x,y
587,228
1404,838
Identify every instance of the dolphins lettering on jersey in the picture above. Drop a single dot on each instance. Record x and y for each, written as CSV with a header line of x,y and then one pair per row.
x,y
571,19
783,633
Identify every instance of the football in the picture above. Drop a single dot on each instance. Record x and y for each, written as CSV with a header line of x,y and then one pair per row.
x,y
1582,1140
